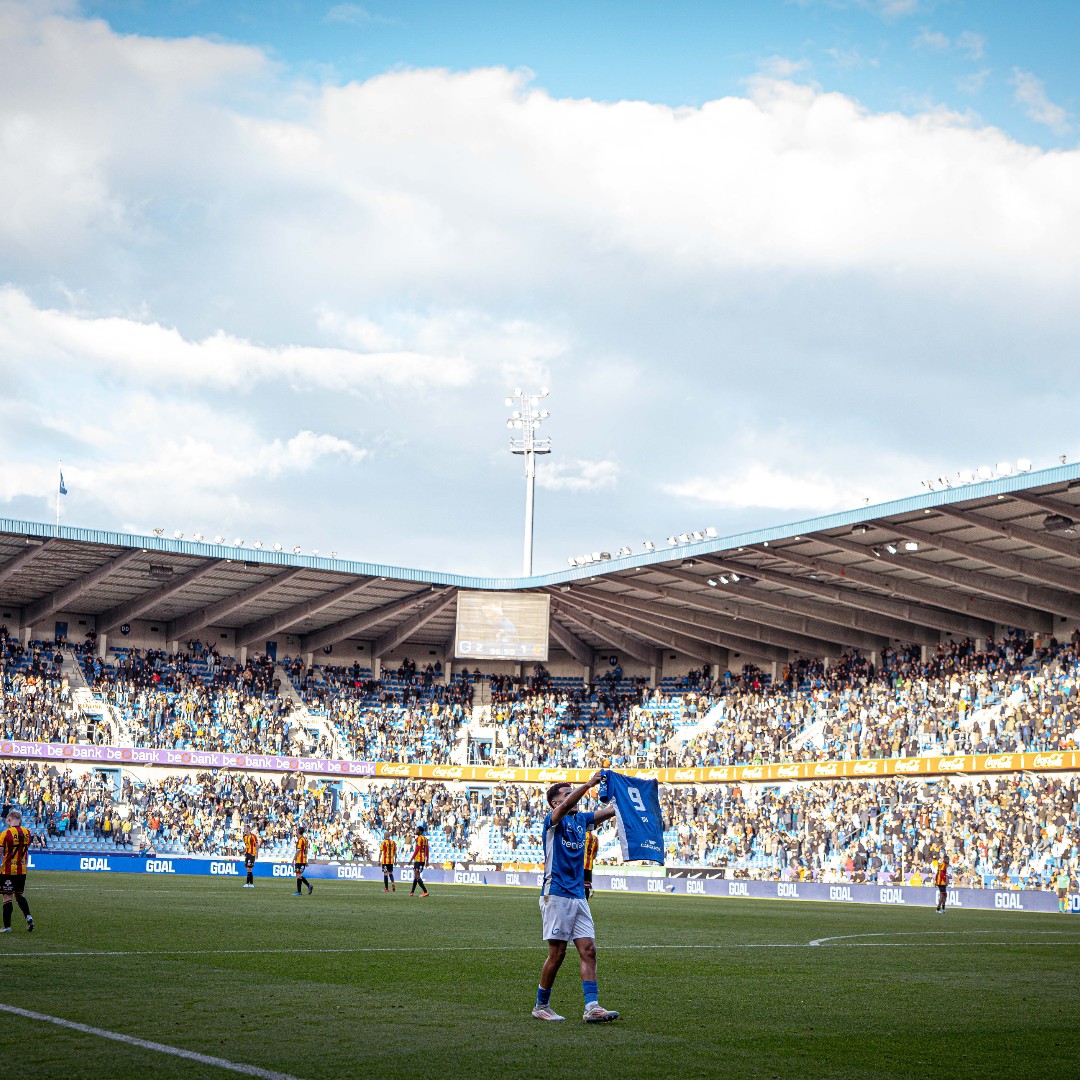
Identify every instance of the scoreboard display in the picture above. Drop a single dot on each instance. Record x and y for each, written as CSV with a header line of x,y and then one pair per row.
x,y
502,626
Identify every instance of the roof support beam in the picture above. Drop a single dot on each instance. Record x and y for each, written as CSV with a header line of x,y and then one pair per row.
x,y
208,616
569,641
1041,570
282,620
778,617
747,631
1009,614
855,599
133,608
357,624
704,644
24,558
1045,502
393,638
639,650
661,632
1035,537
62,598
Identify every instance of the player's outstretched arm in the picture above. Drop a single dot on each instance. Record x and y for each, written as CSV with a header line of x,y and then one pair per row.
x,y
604,813
573,798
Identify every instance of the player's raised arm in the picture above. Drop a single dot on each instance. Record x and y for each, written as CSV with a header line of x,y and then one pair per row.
x,y
574,798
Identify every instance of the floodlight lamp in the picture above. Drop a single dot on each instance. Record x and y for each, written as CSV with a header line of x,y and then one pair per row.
x,y
595,556
1023,465
648,545
178,535
256,543
672,540
197,536
860,529
1062,459
735,577
508,402
765,543
296,551
518,392
911,545
712,582
605,555
544,414
572,561
219,539
966,476
698,535
238,542
876,552
684,538
986,473
516,414
333,554
724,579
544,391
314,551
1005,468
159,532
891,549
711,533
277,547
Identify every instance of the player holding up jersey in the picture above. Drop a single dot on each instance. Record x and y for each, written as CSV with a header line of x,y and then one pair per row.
x,y
563,906
387,858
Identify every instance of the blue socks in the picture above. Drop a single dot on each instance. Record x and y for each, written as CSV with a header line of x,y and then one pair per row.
x,y
543,997
590,992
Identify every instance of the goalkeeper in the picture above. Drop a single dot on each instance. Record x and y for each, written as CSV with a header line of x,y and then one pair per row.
x,y
563,905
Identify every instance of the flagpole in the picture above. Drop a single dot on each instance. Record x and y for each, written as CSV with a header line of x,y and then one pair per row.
x,y
59,474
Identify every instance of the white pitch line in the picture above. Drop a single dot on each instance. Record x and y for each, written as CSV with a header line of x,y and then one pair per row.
x,y
713,946
925,933
146,1044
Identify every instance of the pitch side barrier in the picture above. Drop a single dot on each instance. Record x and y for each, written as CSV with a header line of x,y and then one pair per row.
x,y
604,881
1045,761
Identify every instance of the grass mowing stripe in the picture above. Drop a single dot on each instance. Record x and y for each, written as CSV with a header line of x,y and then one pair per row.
x,y
146,1044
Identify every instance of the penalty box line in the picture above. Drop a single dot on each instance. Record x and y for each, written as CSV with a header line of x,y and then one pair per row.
x,y
146,1044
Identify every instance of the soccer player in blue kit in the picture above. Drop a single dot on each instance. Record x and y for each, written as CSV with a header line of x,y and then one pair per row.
x,y
562,899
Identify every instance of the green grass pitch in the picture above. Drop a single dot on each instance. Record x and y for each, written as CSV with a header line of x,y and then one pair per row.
x,y
353,982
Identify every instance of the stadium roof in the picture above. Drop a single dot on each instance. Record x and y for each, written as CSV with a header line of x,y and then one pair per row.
x,y
959,561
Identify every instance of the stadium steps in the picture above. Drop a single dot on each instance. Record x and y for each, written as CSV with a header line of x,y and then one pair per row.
x,y
307,719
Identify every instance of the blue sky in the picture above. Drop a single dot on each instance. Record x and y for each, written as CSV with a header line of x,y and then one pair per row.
x,y
890,54
268,270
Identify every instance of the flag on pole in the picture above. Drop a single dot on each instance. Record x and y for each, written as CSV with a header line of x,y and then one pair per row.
x,y
63,490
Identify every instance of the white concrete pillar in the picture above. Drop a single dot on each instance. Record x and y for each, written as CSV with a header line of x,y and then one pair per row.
x,y
102,648
309,659
376,667
26,635
243,655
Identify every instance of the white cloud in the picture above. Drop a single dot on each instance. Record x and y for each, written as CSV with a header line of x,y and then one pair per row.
x,y
761,486
1030,94
147,352
577,476
972,45
782,67
972,84
932,39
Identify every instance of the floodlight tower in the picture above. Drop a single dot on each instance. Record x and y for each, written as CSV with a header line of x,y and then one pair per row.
x,y
524,420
